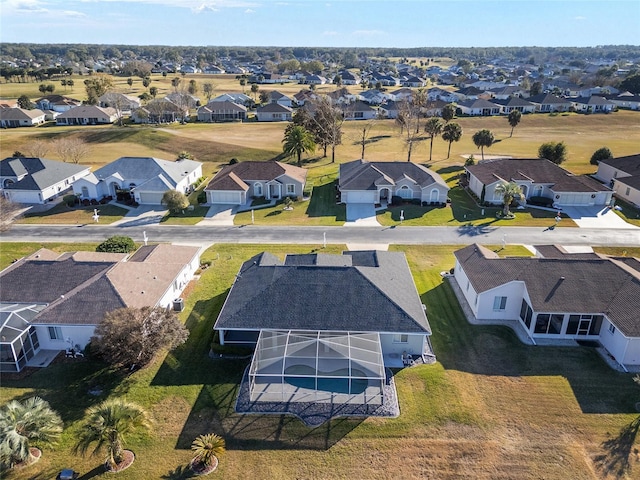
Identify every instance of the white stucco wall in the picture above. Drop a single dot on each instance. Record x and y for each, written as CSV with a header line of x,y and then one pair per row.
x,y
79,335
466,287
414,345
514,292
626,193
606,173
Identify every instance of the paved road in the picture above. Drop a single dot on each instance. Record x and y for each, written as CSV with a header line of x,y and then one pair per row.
x,y
206,235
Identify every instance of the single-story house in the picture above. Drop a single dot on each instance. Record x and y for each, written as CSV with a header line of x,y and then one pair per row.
x,y
19,117
510,104
377,182
506,91
236,184
222,112
479,107
145,178
413,81
537,178
280,98
324,326
359,110
239,98
623,175
50,302
57,103
160,111
625,100
87,115
558,296
592,104
389,109
37,180
349,78
546,103
185,100
120,102
274,112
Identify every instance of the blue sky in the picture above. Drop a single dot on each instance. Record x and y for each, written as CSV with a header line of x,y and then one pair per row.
x,y
333,23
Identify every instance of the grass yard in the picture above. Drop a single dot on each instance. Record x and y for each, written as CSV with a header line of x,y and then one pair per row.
x,y
629,213
188,217
62,214
490,408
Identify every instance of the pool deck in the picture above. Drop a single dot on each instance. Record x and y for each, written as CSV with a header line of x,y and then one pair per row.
x,y
314,414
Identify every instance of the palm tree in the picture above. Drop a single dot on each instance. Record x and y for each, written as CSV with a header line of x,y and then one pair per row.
x,y
433,127
297,140
509,192
451,132
206,448
514,119
22,423
483,138
106,425
448,112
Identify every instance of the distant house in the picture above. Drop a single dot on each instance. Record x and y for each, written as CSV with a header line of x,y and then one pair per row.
x,y
239,98
349,78
361,314
146,178
433,108
375,97
592,104
124,103
377,182
222,112
623,175
237,184
87,115
510,104
413,81
557,295
436,93
537,178
389,109
19,117
507,91
359,111
303,96
313,79
52,302
214,70
479,107
160,111
402,94
626,100
280,98
37,180
183,99
547,103
274,112
57,103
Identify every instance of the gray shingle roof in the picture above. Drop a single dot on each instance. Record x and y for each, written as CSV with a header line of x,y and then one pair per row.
x,y
305,295
148,168
539,170
41,173
363,175
629,164
562,284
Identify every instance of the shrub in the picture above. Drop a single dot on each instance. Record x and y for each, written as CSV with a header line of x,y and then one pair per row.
x,y
541,201
396,200
202,197
415,201
117,244
70,200
469,161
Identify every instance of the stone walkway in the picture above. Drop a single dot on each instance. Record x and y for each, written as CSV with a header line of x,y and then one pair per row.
x,y
314,414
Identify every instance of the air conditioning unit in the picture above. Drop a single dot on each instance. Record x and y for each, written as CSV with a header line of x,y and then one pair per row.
x,y
178,305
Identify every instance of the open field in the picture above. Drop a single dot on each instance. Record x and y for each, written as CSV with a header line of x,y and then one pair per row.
x,y
491,408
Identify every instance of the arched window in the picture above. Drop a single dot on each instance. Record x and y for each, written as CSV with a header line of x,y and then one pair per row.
x,y
85,192
8,182
435,195
404,192
257,189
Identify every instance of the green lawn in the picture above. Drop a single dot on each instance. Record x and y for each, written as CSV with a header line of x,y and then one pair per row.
x,y
188,217
62,214
490,408
629,213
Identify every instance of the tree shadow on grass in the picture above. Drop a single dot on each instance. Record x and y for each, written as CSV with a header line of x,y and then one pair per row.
x,y
99,470
496,350
179,473
450,169
616,459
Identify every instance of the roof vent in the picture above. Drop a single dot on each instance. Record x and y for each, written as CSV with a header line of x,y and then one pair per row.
x,y
561,278
61,296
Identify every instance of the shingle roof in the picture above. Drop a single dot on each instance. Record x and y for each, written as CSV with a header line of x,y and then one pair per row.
x,y
547,98
274,108
633,182
363,175
513,102
538,170
318,296
148,168
629,164
478,103
19,113
40,172
562,284
233,177
88,111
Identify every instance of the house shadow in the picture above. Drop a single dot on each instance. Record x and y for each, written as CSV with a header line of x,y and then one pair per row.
x,y
215,413
495,350
616,459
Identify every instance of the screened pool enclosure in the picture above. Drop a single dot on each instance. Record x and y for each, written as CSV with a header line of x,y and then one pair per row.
x,y
317,366
18,338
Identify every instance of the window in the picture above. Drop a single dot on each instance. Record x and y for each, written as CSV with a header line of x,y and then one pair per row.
x,y
291,188
499,303
612,328
628,191
257,189
55,333
526,313
550,323
400,338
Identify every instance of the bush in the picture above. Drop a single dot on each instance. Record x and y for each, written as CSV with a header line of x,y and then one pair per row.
x,y
117,244
541,201
70,200
202,197
415,201
396,200
601,154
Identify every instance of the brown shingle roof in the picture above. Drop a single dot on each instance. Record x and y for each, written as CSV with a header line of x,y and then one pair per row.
x,y
232,177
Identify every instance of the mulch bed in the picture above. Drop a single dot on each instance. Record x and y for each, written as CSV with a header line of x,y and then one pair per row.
x,y
198,469
129,457
36,453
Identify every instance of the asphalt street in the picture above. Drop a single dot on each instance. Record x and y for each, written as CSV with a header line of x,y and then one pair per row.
x,y
206,235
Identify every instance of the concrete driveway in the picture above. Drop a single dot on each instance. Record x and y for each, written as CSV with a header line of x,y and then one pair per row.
x,y
220,215
361,215
142,215
596,217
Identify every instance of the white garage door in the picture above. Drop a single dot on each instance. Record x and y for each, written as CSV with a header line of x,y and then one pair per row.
x,y
229,198
150,198
574,199
360,197
18,196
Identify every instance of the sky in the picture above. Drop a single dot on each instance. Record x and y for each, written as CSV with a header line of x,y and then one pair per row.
x,y
334,23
